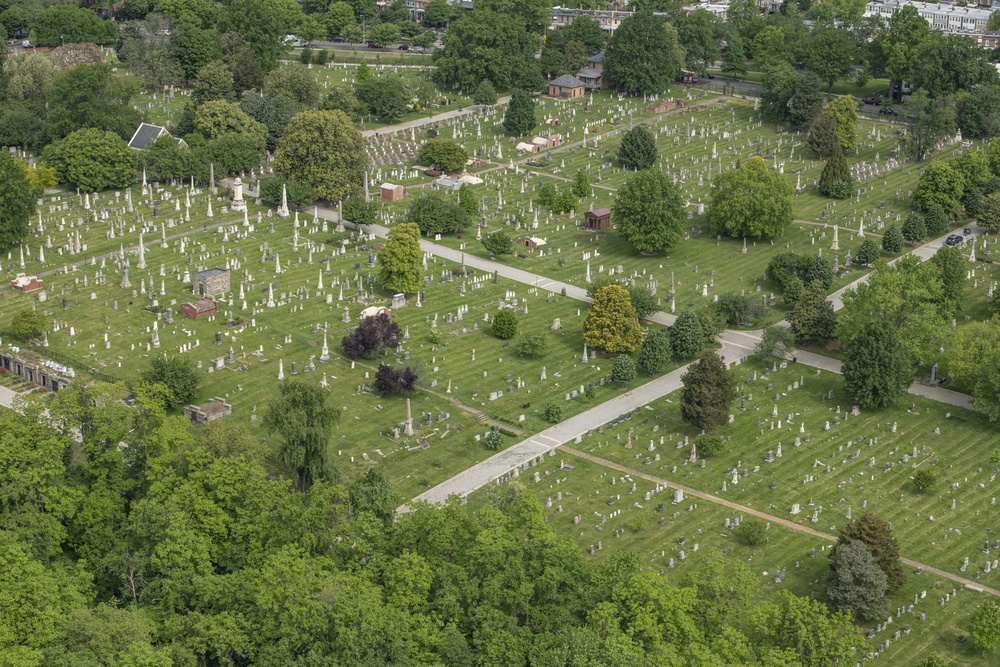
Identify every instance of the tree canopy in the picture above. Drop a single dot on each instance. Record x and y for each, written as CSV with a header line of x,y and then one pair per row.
x,y
612,323
643,55
648,212
750,201
325,150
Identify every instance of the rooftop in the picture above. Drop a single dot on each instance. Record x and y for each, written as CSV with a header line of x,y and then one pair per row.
x,y
566,81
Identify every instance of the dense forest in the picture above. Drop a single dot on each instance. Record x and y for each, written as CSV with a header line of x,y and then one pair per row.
x,y
126,538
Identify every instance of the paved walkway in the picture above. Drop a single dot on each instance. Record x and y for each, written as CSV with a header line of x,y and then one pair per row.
x,y
7,396
792,525
436,118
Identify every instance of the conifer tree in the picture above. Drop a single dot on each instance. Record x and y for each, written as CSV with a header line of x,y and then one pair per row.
x,y
519,119
836,180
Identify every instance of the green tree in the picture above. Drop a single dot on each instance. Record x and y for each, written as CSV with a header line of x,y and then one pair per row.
x,y
439,12
877,367
700,34
67,24
623,370
876,534
29,76
296,194
914,229
895,50
295,83
972,344
552,413
339,15
654,355
928,121
487,45
274,112
813,318
374,493
581,184
17,202
612,323
499,243
485,95
638,149
435,214
386,97
709,391
29,324
941,185
986,389
892,240
792,291
325,150
531,345
178,374
924,479
505,324
384,33
985,622
856,583
90,97
214,81
752,531
806,101
831,54
648,212
193,48
687,339
989,213
951,268
445,154
734,57
519,119
400,259
778,84
304,423
643,55
92,160
974,165
836,180
823,138
844,110
263,25
980,114
776,342
867,253
751,201
936,221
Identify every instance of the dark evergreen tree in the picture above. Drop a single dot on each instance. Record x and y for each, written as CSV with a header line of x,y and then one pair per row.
x,y
914,229
638,149
877,536
892,240
856,583
867,253
877,367
823,134
709,391
813,319
686,336
519,118
936,221
836,180
654,355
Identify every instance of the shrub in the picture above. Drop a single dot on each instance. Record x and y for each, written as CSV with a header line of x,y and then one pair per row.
x,y
370,337
505,324
752,531
552,413
708,446
530,344
390,380
793,291
623,369
924,480
493,441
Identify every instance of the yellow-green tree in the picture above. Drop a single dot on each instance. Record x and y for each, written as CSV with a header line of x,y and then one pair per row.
x,y
612,323
400,259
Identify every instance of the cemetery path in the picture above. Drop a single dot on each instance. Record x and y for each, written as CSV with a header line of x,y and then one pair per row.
x,y
7,397
787,523
436,118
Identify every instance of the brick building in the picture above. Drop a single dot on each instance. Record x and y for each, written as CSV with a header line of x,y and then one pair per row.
x,y
211,282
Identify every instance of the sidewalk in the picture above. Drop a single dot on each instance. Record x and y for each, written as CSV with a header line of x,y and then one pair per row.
x,y
437,118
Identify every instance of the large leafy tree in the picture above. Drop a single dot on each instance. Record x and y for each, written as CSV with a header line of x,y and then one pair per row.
x,y
844,110
823,137
325,150
65,24
751,201
856,583
709,391
812,318
941,185
399,260
734,57
436,214
985,623
687,338
980,116
928,121
304,423
387,97
261,23
648,212
700,33
178,374
951,267
986,387
17,202
831,54
445,154
612,323
91,97
643,55
638,149
519,118
194,47
484,45
654,355
877,367
92,160
895,51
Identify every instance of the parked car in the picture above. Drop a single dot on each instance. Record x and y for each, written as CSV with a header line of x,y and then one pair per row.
x,y
338,39
954,239
888,111
417,49
711,76
874,101
375,45
403,47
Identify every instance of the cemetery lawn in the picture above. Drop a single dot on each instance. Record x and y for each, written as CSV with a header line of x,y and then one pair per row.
x,y
587,487
293,331
959,455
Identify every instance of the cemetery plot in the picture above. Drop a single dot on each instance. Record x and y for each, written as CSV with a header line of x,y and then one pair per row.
x,y
606,511
287,290
831,462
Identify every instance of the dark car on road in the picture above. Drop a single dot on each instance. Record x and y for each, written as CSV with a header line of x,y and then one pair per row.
x,y
404,47
888,111
338,39
954,239
375,45
874,101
